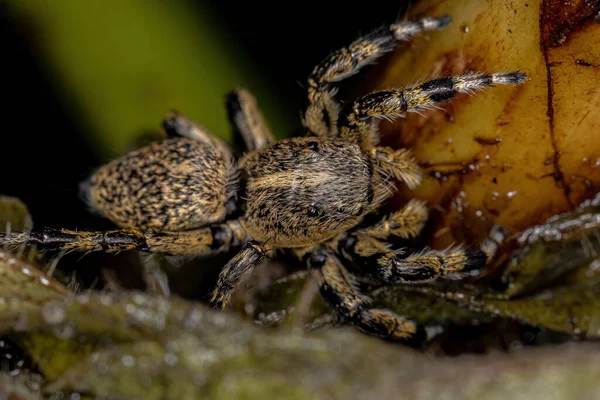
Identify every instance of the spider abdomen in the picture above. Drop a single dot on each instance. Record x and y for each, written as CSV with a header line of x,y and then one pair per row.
x,y
171,185
303,191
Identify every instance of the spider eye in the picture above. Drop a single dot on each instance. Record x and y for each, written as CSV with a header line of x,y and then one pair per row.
x,y
359,211
314,146
313,211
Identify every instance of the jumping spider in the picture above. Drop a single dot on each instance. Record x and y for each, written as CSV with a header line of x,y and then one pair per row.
x,y
308,194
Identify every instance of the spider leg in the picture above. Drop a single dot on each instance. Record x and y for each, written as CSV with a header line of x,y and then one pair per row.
x,y
427,265
405,223
376,259
247,120
321,114
399,163
238,269
338,291
198,242
358,123
176,124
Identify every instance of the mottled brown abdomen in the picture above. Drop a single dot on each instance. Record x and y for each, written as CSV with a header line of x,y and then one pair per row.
x,y
171,185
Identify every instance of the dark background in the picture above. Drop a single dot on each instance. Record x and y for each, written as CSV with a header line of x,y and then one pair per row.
x,y
45,154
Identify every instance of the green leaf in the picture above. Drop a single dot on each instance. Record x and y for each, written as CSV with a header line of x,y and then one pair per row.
x,y
547,252
425,308
134,346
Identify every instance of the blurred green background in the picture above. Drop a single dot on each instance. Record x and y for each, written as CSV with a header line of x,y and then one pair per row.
x,y
86,81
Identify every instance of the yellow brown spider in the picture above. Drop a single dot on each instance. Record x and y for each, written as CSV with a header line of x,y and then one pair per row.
x,y
308,194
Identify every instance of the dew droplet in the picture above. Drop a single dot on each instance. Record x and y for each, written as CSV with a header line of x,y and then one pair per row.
x,y
139,299
102,367
127,360
106,300
249,309
170,359
64,332
54,315
219,320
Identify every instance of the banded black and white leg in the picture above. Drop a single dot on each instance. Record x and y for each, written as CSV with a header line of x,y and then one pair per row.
x,y
375,258
405,223
337,289
321,115
199,242
358,122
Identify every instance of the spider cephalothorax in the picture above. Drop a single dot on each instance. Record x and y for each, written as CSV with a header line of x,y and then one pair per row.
x,y
308,194
303,191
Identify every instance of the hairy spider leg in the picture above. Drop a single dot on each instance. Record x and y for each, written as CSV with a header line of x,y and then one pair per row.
x,y
358,122
337,289
176,124
399,163
237,270
362,243
376,259
366,249
321,115
391,268
203,241
247,121
405,223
